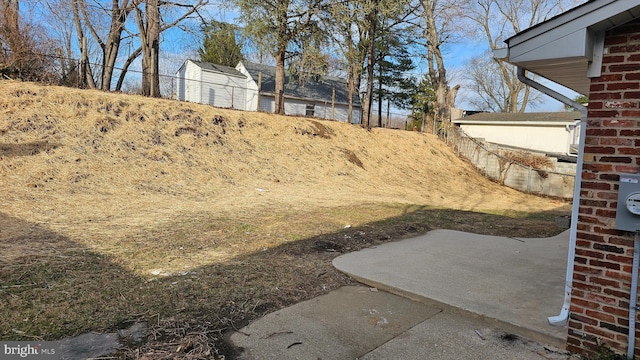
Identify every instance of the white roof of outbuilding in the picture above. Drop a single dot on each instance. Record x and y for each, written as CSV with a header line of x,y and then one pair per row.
x,y
532,118
223,69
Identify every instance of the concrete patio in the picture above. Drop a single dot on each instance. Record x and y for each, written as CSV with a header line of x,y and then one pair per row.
x,y
444,295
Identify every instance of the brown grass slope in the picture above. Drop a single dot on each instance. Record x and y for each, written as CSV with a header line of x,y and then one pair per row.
x,y
161,187
58,142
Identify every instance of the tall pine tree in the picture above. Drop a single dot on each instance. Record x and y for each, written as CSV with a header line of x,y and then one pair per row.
x,y
393,63
220,45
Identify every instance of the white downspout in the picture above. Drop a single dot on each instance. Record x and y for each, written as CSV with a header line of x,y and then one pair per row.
x,y
561,319
634,297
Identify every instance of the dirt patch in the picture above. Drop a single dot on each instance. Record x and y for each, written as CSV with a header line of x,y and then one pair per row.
x,y
27,149
352,158
317,130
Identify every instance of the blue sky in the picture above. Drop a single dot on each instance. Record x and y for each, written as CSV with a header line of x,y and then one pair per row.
x,y
461,53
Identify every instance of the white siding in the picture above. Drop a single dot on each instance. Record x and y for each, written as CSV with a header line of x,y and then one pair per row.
x,y
551,138
188,84
295,107
251,90
320,110
193,76
180,88
267,103
342,114
223,90
323,110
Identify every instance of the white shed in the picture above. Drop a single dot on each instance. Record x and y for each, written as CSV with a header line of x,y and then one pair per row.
x,y
212,84
549,132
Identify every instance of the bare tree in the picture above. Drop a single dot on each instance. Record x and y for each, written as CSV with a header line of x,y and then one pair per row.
x,y
150,25
61,29
119,13
150,40
436,33
372,28
86,74
490,92
350,33
104,24
109,43
496,20
10,24
26,51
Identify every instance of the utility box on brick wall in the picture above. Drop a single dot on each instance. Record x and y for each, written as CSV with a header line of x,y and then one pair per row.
x,y
628,210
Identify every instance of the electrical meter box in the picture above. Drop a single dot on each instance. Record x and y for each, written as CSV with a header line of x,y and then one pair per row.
x,y
628,211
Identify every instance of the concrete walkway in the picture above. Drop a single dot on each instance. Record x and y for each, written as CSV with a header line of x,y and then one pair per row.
x,y
518,282
462,296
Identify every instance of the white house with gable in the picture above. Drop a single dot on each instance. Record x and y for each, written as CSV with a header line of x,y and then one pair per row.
x,y
251,87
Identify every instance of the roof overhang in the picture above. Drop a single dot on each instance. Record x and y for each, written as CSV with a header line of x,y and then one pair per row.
x,y
568,48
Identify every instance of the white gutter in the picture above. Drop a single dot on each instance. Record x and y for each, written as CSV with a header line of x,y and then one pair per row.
x,y
561,319
556,123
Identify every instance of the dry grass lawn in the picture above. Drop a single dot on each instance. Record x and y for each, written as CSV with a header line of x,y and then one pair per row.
x,y
117,208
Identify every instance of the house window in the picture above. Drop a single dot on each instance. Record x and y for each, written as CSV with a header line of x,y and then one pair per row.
x,y
310,109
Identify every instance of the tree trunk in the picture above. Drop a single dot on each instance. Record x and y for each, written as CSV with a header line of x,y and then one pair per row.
x,y
281,53
350,90
111,47
279,90
125,68
10,25
351,78
445,99
355,79
86,75
380,95
372,22
150,47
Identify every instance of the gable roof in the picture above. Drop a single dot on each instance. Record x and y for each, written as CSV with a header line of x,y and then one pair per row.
x,y
568,48
320,90
223,69
533,118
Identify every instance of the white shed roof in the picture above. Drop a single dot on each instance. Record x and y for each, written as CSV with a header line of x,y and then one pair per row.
x,y
568,48
548,119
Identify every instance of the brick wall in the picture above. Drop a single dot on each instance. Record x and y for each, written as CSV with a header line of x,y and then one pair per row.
x,y
603,262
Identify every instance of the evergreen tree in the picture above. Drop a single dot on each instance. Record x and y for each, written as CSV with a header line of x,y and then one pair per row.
x,y
394,86
580,99
423,99
220,45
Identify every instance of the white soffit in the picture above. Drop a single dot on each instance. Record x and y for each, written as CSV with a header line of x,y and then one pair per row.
x,y
570,72
562,48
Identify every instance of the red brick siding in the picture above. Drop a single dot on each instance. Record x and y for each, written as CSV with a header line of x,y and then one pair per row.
x,y
602,266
